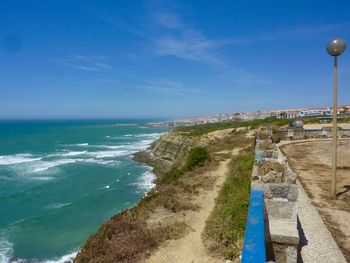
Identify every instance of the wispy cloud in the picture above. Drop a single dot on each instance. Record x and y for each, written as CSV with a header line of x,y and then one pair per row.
x,y
86,63
168,33
168,88
177,38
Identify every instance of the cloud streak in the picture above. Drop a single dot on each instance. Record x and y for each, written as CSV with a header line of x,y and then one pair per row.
x,y
168,88
179,39
85,63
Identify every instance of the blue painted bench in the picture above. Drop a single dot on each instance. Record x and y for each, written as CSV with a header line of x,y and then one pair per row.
x,y
254,239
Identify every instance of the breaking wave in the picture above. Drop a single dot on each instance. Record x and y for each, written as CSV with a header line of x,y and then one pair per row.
x,y
146,181
17,158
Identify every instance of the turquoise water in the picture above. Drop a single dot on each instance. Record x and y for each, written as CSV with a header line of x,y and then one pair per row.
x,y
59,180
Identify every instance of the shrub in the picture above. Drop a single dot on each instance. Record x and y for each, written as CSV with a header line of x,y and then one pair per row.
x,y
198,156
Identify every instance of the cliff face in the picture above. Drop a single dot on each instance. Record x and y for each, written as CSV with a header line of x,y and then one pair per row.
x,y
172,148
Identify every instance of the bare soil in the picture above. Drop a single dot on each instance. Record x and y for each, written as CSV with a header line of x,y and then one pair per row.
x,y
312,162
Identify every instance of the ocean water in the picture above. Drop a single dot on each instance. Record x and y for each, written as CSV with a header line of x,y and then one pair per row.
x,y
60,180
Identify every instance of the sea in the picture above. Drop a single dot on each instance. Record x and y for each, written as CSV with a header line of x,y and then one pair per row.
x,y
61,179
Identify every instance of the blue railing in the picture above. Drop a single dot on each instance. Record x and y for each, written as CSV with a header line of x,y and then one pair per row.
x,y
254,239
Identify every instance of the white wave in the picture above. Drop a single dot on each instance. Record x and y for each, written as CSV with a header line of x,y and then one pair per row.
x,y
140,145
42,178
64,259
108,146
77,144
147,181
108,136
41,170
82,144
98,161
17,158
74,153
6,250
43,166
107,154
57,205
128,135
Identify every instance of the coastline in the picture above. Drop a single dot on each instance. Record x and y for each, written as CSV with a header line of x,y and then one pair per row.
x,y
143,182
142,157
173,212
137,216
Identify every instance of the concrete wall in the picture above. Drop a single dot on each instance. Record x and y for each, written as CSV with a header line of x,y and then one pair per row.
x,y
300,133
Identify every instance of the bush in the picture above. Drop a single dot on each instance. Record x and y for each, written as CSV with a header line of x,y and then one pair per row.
x,y
198,156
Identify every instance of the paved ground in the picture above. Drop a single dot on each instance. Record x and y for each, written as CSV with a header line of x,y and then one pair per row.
x,y
318,244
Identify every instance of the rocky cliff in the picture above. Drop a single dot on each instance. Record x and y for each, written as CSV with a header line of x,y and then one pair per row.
x,y
172,148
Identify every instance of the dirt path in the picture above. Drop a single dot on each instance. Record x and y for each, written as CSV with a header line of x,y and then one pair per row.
x,y
190,248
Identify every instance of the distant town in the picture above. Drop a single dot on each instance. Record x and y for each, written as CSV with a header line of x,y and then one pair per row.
x,y
322,112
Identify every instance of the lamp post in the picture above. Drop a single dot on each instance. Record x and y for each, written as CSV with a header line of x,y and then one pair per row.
x,y
335,48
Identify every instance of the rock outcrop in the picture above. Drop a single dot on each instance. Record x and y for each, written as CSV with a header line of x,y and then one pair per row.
x,y
171,148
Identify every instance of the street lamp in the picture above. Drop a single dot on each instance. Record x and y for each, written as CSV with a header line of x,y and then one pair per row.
x,y
335,48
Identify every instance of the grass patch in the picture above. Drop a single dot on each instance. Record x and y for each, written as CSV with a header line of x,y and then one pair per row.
x,y
225,227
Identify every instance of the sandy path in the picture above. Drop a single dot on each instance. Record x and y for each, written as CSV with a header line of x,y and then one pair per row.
x,y
190,248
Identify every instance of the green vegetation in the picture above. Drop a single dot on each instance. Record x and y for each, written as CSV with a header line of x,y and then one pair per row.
x,y
198,156
200,129
225,227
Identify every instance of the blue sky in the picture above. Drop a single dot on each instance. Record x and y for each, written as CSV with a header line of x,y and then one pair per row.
x,y
167,59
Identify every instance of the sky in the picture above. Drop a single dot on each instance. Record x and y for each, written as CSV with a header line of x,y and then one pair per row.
x,y
168,59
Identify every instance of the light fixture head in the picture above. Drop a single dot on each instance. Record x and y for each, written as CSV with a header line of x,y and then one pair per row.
x,y
336,47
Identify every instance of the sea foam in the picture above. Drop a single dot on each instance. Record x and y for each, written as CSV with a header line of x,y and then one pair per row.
x,y
146,181
17,158
6,250
74,153
43,166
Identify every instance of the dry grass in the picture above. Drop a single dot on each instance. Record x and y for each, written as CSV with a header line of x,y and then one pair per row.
x,y
238,139
126,239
